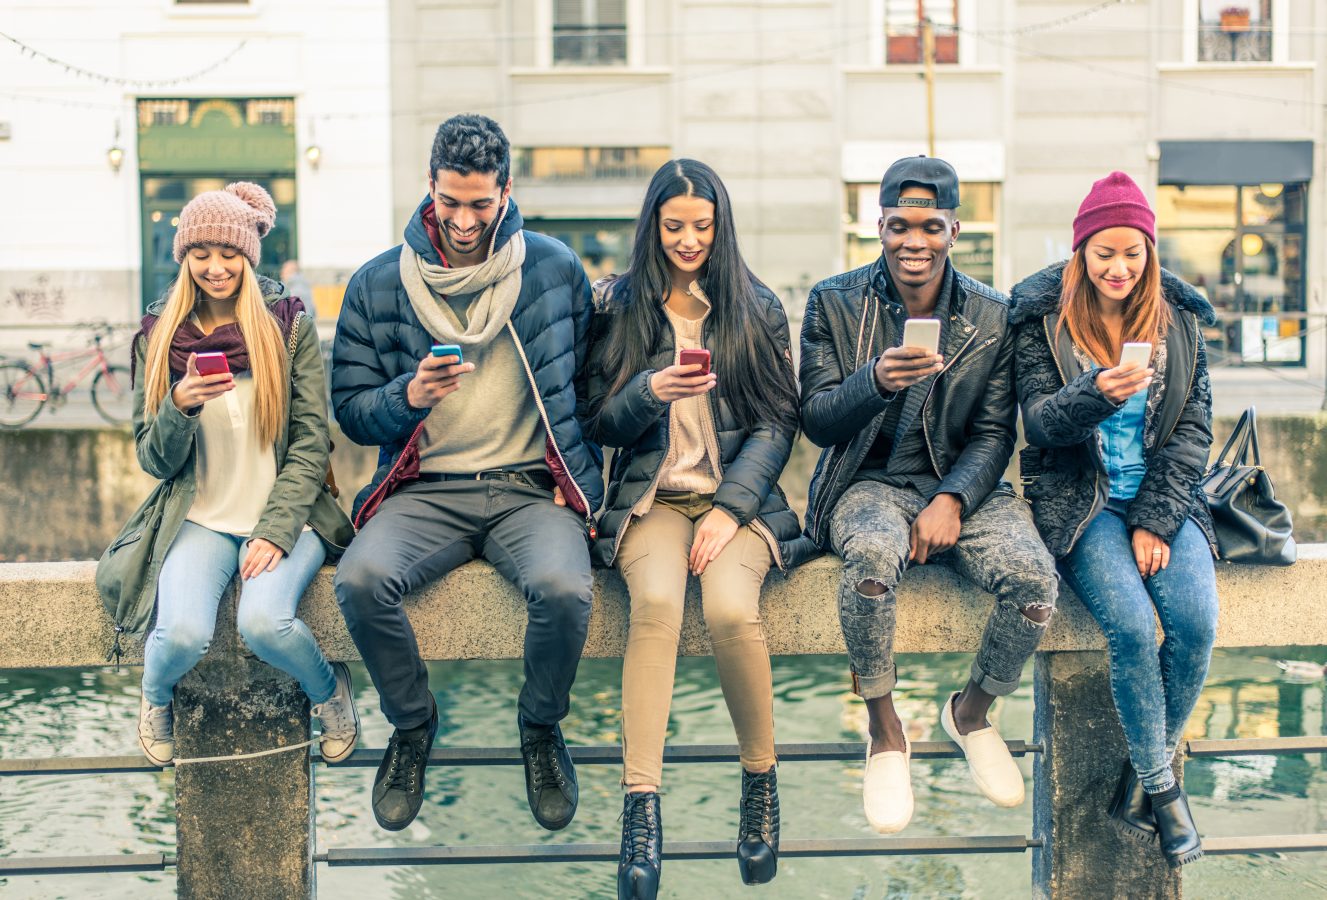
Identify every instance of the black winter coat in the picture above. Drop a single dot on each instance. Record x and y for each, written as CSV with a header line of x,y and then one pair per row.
x,y
1062,469
967,418
380,341
636,423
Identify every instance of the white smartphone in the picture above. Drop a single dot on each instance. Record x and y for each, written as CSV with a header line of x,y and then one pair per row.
x,y
1136,352
922,333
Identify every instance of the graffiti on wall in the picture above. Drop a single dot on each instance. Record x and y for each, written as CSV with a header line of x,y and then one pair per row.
x,y
41,303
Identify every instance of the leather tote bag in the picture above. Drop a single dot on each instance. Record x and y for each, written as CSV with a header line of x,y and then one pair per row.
x,y
1252,526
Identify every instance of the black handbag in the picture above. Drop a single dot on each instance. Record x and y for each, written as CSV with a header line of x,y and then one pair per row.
x,y
1252,526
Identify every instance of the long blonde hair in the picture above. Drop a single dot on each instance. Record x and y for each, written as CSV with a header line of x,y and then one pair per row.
x,y
258,329
1146,313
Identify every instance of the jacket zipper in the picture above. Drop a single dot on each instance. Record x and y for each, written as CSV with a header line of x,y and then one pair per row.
x,y
1096,470
867,308
548,429
926,431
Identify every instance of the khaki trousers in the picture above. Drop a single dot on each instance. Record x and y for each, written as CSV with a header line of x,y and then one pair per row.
x,y
653,562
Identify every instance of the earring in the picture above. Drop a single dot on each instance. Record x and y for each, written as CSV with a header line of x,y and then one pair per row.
x,y
951,243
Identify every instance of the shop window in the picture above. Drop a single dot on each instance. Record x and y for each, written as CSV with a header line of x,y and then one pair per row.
x,y
1234,32
587,163
604,245
590,32
903,30
974,253
1243,248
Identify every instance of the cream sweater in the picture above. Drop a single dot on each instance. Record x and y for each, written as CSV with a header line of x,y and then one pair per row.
x,y
234,471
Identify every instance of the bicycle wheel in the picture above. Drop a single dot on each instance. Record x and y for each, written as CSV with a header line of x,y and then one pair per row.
x,y
112,395
22,394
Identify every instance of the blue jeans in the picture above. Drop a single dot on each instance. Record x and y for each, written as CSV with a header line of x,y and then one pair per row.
x,y
1155,690
194,576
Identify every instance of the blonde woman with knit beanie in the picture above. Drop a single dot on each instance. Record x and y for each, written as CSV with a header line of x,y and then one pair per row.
x,y
229,412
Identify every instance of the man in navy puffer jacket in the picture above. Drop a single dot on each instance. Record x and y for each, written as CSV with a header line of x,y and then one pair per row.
x,y
461,355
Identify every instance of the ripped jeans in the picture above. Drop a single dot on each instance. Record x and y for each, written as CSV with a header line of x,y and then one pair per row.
x,y
998,550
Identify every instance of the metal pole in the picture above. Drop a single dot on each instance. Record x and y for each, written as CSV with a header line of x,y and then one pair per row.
x,y
928,58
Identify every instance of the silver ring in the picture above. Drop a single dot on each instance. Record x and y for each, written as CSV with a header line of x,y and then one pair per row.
x,y
1156,552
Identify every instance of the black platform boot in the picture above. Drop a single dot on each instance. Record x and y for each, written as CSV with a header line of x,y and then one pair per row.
x,y
1131,809
641,861
1180,842
758,833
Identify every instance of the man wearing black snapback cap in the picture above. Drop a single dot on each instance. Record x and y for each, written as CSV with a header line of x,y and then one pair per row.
x,y
916,440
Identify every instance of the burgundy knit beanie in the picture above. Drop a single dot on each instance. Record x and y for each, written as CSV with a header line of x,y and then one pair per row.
x,y
1114,201
237,217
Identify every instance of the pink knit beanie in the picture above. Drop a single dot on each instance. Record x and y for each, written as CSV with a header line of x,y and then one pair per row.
x,y
237,217
1114,201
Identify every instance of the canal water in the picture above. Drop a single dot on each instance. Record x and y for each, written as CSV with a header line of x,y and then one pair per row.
x,y
59,713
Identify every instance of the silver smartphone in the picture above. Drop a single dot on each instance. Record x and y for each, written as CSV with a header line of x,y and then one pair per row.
x,y
1139,352
923,334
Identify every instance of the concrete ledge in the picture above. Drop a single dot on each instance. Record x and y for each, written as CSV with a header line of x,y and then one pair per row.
x,y
54,618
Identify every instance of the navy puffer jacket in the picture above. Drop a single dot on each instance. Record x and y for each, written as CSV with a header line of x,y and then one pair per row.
x,y
380,341
636,422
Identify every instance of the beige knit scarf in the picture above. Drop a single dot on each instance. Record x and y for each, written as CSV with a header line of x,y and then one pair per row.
x,y
498,277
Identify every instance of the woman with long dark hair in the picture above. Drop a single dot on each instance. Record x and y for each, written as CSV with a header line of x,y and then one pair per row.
x,y
1116,452
230,414
693,490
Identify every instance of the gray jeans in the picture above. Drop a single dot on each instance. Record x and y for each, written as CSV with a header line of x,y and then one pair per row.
x,y
998,549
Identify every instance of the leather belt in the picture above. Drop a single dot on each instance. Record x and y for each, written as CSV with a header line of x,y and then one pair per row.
x,y
539,479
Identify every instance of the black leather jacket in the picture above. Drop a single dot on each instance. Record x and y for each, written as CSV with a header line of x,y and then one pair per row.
x,y
1064,476
967,419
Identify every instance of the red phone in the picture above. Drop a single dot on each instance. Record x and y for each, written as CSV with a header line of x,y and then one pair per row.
x,y
693,357
211,364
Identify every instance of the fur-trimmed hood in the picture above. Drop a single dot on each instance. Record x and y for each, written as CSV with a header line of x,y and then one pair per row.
x,y
1039,294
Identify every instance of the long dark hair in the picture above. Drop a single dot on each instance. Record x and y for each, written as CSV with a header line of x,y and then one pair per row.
x,y
756,375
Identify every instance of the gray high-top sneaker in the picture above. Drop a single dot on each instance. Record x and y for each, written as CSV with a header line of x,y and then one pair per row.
x,y
156,732
340,721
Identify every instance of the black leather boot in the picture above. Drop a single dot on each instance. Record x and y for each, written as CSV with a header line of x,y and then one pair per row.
x,y
758,833
641,859
1131,810
1180,842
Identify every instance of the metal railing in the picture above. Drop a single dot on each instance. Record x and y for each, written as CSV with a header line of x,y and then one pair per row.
x,y
611,754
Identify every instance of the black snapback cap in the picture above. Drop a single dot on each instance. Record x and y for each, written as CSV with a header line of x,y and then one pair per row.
x,y
926,171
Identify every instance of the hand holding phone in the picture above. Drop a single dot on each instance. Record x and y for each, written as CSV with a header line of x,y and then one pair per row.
x,y
197,387
1117,384
916,358
922,334
435,379
695,357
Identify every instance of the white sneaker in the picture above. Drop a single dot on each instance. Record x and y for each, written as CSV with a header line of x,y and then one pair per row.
x,y
156,732
989,762
339,720
887,788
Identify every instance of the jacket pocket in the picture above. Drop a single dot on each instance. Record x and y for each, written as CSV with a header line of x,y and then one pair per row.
x,y
124,541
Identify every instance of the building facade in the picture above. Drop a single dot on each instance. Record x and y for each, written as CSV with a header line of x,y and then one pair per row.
x,y
1218,109
115,115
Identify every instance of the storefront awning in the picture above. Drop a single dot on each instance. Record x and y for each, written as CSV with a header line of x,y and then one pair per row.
x,y
1235,162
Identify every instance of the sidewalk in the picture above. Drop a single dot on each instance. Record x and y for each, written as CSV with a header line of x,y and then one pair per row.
x,y
1273,391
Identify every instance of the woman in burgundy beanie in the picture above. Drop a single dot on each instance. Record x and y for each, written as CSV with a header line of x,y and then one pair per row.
x,y
1112,379
230,414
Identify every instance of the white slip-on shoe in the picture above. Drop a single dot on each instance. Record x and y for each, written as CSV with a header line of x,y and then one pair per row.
x,y
156,732
339,719
989,762
887,788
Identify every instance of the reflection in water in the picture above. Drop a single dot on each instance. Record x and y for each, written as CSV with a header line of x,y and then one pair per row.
x,y
52,713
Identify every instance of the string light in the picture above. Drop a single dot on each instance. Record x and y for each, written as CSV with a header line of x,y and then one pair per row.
x,y
143,83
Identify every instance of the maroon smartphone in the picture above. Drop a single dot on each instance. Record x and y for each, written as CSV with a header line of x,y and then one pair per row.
x,y
211,364
692,357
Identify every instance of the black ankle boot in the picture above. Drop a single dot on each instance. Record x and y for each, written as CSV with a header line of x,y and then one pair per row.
x,y
641,861
758,833
1131,810
1180,843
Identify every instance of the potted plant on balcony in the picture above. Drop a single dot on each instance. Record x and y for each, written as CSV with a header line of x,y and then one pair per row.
x,y
1235,18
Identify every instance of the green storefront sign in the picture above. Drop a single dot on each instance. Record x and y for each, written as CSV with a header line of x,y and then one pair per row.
x,y
186,146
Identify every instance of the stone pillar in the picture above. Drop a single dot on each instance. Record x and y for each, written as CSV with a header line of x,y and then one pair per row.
x,y
243,828
1075,779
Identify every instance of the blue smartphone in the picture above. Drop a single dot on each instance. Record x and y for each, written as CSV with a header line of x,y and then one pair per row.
x,y
448,350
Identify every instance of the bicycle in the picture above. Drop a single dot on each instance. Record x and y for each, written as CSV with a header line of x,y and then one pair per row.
x,y
24,390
